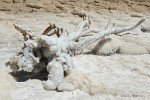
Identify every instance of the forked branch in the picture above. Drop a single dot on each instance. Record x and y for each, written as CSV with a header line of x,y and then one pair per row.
x,y
99,35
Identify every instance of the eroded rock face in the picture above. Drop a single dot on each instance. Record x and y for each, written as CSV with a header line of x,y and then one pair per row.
x,y
7,1
35,5
61,5
18,1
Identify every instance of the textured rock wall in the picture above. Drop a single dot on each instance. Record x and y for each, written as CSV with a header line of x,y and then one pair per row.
x,y
67,5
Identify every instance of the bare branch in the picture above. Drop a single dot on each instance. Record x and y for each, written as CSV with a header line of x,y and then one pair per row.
x,y
48,29
82,26
128,28
24,32
87,41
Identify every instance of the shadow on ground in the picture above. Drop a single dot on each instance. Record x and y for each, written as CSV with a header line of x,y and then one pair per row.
x,y
22,76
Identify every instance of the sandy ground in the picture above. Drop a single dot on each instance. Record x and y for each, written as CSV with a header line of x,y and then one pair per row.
x,y
116,77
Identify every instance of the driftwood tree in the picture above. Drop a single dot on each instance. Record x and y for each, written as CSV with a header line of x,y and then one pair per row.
x,y
54,48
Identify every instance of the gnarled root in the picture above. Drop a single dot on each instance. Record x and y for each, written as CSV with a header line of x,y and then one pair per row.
x,y
52,50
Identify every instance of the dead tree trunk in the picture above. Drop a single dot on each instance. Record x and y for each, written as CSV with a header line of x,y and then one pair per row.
x,y
55,46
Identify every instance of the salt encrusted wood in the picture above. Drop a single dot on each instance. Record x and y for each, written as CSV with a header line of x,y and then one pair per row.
x,y
55,46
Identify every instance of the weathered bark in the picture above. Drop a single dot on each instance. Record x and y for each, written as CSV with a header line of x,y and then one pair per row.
x,y
55,46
